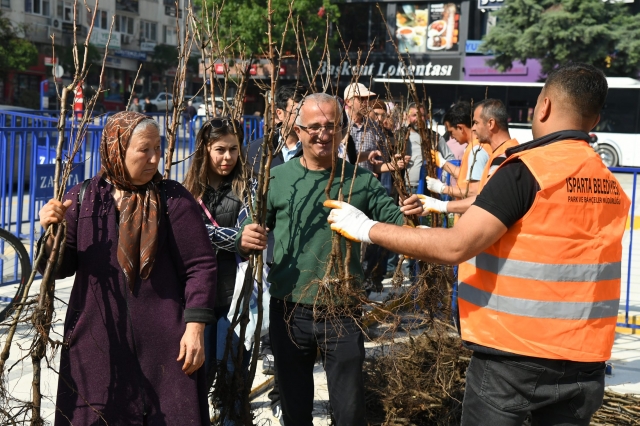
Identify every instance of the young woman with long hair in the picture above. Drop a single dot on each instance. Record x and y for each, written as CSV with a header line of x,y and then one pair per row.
x,y
216,180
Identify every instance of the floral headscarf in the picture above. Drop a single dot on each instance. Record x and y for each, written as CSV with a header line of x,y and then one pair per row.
x,y
140,208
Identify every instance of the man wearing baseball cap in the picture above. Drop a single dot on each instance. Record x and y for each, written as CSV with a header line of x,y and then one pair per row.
x,y
365,132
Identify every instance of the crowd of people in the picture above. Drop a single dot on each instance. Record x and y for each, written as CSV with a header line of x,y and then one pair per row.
x,y
155,261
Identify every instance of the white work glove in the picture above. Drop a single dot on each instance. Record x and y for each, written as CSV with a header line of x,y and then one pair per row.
x,y
432,205
435,185
348,221
437,158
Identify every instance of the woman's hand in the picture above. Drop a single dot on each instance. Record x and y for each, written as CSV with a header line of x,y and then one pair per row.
x,y
192,347
254,237
53,212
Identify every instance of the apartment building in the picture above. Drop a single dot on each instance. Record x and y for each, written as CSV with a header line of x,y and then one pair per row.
x,y
137,27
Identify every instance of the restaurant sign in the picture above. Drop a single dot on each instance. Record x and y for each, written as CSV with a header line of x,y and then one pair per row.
x,y
430,68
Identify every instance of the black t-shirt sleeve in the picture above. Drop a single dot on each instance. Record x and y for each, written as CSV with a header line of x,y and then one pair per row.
x,y
509,194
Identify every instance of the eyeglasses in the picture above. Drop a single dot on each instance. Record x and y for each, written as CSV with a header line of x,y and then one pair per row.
x,y
313,130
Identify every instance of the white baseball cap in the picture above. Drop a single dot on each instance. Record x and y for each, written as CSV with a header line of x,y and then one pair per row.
x,y
357,89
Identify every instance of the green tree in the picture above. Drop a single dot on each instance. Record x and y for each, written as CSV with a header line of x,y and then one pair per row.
x,y
246,20
164,57
555,32
94,60
16,54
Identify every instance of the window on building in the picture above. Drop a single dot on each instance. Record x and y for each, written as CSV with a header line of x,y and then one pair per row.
x,y
102,20
170,36
124,24
6,3
65,12
148,31
371,27
37,7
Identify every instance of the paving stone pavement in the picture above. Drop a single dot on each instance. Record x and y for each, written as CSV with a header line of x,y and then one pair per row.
x,y
625,361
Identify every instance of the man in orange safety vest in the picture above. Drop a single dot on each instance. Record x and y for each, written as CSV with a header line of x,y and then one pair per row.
x,y
491,128
540,253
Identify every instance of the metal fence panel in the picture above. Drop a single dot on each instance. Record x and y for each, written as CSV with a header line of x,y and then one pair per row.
x,y
28,144
630,291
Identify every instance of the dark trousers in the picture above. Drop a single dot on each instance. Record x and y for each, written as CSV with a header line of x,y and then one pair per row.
x,y
274,395
374,264
295,340
501,390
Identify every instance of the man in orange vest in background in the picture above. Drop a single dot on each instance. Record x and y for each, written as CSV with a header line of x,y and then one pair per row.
x,y
491,127
540,283
457,120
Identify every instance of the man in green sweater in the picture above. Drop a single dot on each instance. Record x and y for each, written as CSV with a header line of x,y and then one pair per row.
x,y
302,247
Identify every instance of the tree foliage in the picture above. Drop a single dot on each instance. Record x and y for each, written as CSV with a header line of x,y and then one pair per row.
x,y
555,32
16,54
94,60
246,21
164,57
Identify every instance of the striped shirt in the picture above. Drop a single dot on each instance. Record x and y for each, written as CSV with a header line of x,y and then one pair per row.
x,y
367,137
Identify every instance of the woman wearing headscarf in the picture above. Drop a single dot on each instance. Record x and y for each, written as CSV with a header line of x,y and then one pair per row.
x,y
145,276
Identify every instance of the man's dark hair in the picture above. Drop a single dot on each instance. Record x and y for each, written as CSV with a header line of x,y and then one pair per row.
x,y
584,85
459,113
493,108
295,92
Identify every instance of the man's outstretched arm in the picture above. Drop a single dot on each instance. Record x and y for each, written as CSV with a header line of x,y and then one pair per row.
x,y
474,232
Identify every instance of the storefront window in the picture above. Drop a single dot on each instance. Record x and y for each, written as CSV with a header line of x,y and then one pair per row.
x,y
361,25
426,27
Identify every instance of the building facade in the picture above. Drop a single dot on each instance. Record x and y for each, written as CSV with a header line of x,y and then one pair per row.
x,y
138,27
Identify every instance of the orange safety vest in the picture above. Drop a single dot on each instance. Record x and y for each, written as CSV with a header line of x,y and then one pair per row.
x,y
550,286
462,181
497,153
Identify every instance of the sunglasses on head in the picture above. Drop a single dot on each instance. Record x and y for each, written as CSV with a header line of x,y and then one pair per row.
x,y
218,123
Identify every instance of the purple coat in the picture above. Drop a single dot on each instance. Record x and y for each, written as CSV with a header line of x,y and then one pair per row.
x,y
106,378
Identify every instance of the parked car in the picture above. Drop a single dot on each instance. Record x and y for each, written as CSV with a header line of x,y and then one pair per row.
x,y
162,101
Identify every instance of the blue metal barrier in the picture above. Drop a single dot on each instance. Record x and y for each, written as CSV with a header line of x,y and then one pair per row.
x,y
27,150
634,171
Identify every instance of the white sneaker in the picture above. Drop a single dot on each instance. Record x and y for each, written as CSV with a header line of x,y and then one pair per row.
x,y
268,365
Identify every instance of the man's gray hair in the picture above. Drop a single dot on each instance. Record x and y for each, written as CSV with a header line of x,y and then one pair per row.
x,y
494,108
144,124
320,98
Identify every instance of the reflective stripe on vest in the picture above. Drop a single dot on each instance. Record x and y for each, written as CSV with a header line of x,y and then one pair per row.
x,y
550,286
547,271
538,309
